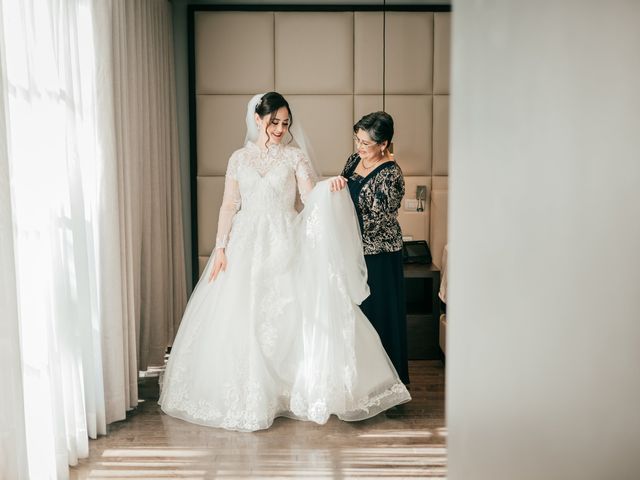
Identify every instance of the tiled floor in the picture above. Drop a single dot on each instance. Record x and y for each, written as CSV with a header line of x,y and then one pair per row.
x,y
406,442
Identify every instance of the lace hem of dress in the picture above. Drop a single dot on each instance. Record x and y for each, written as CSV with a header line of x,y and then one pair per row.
x,y
372,405
290,406
203,413
320,411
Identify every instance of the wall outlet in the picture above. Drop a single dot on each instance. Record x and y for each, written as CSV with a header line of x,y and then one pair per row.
x,y
411,205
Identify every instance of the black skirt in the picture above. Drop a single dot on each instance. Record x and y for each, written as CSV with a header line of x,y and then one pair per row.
x,y
385,307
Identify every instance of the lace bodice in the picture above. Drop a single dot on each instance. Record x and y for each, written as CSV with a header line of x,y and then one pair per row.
x,y
260,181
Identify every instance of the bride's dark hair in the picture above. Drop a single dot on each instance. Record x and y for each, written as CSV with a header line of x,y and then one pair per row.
x,y
272,102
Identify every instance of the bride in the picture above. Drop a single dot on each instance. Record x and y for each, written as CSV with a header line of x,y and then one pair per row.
x,y
273,327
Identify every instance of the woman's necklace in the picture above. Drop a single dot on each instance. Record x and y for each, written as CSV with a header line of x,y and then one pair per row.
x,y
377,162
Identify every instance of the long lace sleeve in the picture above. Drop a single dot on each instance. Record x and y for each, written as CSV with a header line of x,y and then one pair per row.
x,y
231,202
305,175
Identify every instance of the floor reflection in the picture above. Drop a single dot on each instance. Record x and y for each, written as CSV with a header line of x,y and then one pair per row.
x,y
407,442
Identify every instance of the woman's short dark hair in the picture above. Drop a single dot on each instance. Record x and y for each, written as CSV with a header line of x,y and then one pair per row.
x,y
379,126
272,102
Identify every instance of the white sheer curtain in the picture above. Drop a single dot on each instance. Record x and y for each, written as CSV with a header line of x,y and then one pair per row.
x,y
91,259
13,446
60,146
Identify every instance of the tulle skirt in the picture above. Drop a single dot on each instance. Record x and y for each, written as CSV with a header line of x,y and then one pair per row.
x,y
280,333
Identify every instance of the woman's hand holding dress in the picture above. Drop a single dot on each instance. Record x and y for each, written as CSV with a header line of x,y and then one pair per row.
x,y
338,183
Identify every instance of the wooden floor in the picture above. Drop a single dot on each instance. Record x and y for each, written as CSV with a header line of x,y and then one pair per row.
x,y
406,442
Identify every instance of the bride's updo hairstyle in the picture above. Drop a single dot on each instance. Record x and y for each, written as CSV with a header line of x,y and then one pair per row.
x,y
272,102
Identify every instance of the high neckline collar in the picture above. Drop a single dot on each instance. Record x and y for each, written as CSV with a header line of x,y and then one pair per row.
x,y
262,148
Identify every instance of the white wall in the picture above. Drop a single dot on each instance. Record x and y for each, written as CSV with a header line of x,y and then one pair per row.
x,y
543,357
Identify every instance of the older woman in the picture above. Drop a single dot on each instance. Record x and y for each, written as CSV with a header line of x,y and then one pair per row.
x,y
376,186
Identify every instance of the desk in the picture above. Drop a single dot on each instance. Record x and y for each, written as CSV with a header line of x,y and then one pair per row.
x,y
423,310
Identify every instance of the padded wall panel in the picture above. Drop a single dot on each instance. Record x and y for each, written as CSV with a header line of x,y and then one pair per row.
x,y
367,62
230,48
439,209
330,87
415,224
327,122
363,104
440,135
314,52
442,52
221,130
412,139
210,191
409,53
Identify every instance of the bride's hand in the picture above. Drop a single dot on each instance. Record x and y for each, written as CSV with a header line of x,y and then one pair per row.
x,y
338,183
219,263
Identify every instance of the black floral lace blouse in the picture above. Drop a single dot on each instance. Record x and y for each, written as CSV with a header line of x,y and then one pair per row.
x,y
377,198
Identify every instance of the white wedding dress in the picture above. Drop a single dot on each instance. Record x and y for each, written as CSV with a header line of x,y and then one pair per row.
x,y
279,333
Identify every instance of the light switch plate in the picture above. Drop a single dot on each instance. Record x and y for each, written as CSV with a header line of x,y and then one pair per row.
x,y
411,204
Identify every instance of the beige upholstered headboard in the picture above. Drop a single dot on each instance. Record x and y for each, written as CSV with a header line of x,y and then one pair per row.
x,y
329,66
